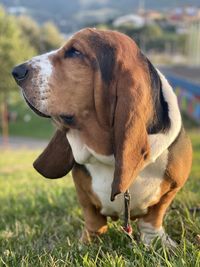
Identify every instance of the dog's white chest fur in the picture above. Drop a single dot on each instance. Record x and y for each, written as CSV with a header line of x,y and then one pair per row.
x,y
144,190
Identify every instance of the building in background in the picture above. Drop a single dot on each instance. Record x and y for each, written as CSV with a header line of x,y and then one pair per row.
x,y
193,49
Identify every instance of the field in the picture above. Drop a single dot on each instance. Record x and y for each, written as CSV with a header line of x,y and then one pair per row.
x,y
28,123
41,222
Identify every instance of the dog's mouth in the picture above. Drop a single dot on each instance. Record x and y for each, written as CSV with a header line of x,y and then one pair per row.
x,y
39,113
67,120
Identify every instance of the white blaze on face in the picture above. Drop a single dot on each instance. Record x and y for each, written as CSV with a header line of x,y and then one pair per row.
x,y
44,68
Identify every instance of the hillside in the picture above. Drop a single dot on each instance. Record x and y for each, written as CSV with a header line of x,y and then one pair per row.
x,y
71,15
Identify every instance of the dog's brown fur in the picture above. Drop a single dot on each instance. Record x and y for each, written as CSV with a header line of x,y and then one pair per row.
x,y
108,90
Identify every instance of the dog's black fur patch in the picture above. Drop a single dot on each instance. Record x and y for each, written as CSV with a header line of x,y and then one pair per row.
x,y
160,121
105,55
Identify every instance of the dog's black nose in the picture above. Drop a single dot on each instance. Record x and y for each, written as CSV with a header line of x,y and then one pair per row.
x,y
20,72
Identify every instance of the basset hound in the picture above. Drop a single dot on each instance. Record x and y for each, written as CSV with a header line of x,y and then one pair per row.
x,y
119,129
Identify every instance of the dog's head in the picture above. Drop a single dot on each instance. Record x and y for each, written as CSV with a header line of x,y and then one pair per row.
x,y
100,75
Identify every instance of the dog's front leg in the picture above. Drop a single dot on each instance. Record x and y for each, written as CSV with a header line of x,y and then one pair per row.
x,y
95,222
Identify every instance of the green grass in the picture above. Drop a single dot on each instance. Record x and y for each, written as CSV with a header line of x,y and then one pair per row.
x,y
37,127
41,222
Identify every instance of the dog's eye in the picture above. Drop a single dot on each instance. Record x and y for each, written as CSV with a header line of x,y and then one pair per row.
x,y
72,52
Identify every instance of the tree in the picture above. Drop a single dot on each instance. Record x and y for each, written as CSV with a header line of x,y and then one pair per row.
x,y
31,31
50,37
44,38
14,48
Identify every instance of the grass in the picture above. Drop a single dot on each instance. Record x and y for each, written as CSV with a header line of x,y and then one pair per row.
x,y
41,222
29,124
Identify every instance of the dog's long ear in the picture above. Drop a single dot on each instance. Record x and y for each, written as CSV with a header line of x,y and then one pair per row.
x,y
104,65
122,105
131,147
57,158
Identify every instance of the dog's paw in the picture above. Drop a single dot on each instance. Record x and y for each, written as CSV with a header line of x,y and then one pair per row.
x,y
88,236
167,241
148,238
148,234
85,237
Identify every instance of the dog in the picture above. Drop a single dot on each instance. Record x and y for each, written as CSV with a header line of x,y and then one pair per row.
x,y
119,129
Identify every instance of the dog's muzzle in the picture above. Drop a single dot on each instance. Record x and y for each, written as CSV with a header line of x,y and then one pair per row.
x,y
39,113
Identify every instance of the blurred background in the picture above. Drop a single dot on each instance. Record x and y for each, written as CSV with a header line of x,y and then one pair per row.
x,y
40,219
168,32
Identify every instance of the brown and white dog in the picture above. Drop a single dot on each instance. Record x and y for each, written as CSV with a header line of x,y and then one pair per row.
x,y
119,128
